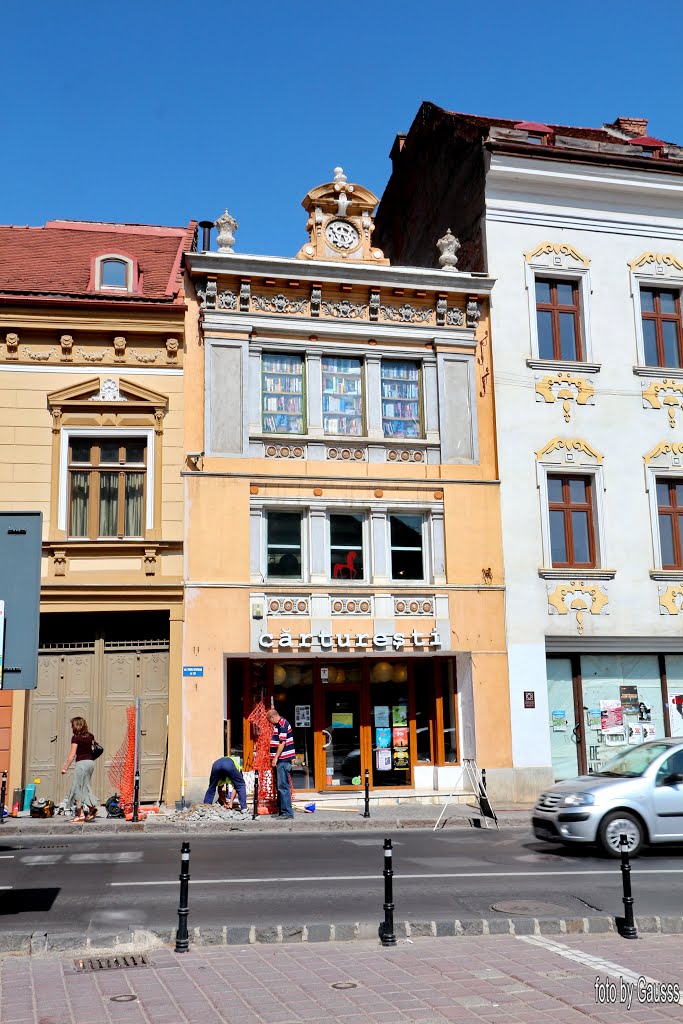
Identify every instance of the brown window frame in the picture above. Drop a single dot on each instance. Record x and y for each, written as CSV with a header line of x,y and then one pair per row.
x,y
658,318
95,468
673,509
567,506
555,308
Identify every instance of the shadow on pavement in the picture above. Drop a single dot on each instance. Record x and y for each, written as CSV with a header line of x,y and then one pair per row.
x,y
27,901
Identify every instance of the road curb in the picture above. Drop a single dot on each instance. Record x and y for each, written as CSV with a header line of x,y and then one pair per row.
x,y
139,941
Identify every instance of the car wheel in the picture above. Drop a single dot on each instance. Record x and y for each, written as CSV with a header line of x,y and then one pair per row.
x,y
617,824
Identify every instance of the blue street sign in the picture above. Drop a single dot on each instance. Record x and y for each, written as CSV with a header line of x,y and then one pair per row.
x,y
193,670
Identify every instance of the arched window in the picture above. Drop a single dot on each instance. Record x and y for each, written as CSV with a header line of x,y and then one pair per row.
x,y
114,273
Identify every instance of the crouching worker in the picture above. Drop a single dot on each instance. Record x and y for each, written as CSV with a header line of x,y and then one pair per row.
x,y
223,771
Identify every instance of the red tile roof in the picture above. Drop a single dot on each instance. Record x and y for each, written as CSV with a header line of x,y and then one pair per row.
x,y
57,259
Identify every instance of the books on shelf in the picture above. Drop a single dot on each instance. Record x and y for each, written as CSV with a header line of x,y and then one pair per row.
x,y
342,396
282,388
400,399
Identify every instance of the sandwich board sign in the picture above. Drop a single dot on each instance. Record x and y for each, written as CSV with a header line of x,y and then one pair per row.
x,y
20,551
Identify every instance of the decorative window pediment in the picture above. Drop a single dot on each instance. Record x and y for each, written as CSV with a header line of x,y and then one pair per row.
x,y
556,256
571,451
657,264
103,401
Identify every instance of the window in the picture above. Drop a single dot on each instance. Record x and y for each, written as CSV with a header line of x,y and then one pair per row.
x,y
558,317
107,479
342,396
400,399
670,511
406,547
346,546
114,274
284,544
282,389
662,337
572,537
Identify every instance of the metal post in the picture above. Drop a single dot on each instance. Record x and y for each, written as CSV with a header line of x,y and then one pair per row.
x,y
628,930
182,942
3,794
136,763
255,812
366,812
386,929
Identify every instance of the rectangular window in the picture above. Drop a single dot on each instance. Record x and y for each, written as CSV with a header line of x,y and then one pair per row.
x,y
283,545
407,562
572,536
558,317
670,510
662,335
346,546
282,389
400,399
342,396
107,480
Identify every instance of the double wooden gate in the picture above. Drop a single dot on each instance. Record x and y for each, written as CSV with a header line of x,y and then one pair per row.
x,y
98,681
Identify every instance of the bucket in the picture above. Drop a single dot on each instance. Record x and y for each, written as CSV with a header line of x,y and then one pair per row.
x,y
309,807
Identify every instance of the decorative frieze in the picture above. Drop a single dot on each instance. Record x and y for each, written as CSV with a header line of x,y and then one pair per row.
x,y
569,450
284,451
66,344
245,296
316,298
227,300
59,562
149,561
556,254
565,388
413,606
119,349
40,356
91,357
144,357
406,314
473,313
109,392
671,599
12,345
346,454
374,304
405,455
210,293
455,317
345,309
289,605
666,393
665,455
577,597
355,605
279,303
171,350
657,262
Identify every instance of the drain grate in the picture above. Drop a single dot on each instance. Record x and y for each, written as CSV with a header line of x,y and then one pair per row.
x,y
111,963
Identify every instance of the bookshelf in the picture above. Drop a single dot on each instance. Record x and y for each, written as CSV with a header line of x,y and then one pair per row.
x,y
282,394
342,396
400,399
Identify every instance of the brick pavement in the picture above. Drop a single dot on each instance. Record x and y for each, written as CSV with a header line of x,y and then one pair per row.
x,y
431,981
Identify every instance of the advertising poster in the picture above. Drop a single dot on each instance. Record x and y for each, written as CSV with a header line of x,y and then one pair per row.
x,y
635,733
649,732
400,714
400,736
342,719
629,698
2,636
559,720
611,716
644,712
401,759
302,716
383,760
382,716
594,719
383,737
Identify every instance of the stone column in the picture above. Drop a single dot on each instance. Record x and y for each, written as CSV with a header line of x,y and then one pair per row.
x,y
438,547
430,398
373,396
318,558
255,534
314,395
254,391
380,546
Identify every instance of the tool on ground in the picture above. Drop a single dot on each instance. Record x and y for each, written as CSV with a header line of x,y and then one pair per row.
x,y
366,812
386,929
255,814
182,941
3,794
42,809
628,929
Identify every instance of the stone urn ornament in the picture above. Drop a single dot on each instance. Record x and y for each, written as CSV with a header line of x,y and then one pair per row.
x,y
448,247
226,225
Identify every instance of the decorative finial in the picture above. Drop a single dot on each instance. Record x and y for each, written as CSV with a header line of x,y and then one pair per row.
x,y
448,247
226,226
339,174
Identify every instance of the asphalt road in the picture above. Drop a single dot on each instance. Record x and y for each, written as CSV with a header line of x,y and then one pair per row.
x,y
69,883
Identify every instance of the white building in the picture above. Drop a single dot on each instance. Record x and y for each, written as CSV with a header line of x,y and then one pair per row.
x,y
582,229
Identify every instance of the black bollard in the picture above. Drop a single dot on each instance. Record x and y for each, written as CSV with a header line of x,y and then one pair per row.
x,y
182,942
3,794
386,929
136,796
255,812
366,812
628,929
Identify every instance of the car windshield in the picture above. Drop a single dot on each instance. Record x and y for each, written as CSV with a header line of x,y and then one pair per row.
x,y
633,762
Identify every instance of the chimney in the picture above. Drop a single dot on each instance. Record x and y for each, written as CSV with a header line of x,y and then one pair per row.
x,y
206,226
399,143
631,125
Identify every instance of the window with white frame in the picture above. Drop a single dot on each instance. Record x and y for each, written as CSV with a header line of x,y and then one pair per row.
x,y
107,479
114,273
283,544
283,394
570,479
558,289
406,540
342,388
347,530
670,521
656,289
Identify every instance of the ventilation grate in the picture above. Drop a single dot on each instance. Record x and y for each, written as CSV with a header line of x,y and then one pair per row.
x,y
111,963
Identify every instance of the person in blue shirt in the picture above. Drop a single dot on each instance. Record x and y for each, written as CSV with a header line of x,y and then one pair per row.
x,y
225,770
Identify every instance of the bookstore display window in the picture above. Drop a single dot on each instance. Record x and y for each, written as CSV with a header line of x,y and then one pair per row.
x,y
346,546
400,383
342,389
283,394
283,545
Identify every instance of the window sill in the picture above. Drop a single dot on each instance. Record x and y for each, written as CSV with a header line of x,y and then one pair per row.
x,y
563,365
337,440
676,372
666,575
577,573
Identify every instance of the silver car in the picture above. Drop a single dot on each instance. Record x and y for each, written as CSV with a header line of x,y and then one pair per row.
x,y
639,794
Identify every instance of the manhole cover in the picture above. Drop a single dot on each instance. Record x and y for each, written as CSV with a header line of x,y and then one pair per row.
x,y
528,908
122,999
344,984
111,963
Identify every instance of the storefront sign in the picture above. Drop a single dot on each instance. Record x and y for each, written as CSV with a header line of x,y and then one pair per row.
x,y
325,641
529,699
302,716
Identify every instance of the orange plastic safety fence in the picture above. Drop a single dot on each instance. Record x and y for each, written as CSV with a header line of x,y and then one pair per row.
x,y
122,768
267,790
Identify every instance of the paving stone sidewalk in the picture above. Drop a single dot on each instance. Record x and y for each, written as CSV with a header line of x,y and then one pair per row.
x,y
431,981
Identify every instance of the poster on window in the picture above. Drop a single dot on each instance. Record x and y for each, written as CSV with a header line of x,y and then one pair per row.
x,y
302,716
635,733
400,714
382,716
649,732
594,718
401,759
628,696
342,720
559,720
400,736
383,760
611,716
644,712
383,738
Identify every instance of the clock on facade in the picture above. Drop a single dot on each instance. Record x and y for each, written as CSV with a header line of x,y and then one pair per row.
x,y
341,234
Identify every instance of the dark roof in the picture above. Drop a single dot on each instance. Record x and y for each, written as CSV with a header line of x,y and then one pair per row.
x,y
58,259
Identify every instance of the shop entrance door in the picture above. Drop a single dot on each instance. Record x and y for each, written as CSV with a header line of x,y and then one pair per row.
x,y
340,738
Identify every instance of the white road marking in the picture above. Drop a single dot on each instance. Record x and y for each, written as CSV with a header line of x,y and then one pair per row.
x,y
588,960
5,886
370,878
106,858
41,858
6,856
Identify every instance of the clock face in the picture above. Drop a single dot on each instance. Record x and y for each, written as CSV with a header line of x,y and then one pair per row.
x,y
341,234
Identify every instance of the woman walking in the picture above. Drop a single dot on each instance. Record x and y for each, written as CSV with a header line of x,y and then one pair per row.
x,y
81,793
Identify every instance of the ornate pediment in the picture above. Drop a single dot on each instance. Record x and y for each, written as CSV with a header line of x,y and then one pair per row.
x,y
103,400
665,455
659,264
556,256
667,394
569,450
340,223
566,388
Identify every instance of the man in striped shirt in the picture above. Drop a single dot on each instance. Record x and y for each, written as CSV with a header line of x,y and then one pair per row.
x,y
281,757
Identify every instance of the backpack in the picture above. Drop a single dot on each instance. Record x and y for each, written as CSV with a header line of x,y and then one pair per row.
x,y
42,809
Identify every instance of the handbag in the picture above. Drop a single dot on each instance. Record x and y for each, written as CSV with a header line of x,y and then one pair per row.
x,y
97,750
42,809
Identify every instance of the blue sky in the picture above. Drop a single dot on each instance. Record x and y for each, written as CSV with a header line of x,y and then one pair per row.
x,y
160,111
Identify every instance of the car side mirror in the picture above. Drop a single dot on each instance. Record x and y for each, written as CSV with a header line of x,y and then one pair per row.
x,y
673,780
